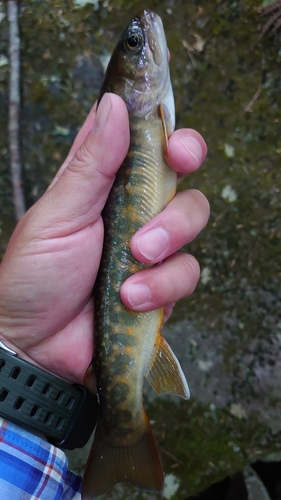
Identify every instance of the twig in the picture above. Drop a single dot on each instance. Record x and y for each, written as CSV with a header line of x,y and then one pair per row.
x,y
248,108
14,108
170,455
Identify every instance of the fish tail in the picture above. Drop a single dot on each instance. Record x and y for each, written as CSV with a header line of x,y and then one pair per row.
x,y
138,463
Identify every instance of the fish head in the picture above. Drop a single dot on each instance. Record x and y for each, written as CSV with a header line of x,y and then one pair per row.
x,y
139,67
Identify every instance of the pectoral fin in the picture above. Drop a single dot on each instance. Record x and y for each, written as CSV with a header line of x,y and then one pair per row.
x,y
90,381
166,375
165,117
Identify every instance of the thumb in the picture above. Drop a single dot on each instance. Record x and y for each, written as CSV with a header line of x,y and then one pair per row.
x,y
78,196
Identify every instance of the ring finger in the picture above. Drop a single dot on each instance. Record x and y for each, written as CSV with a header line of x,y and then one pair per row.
x,y
161,285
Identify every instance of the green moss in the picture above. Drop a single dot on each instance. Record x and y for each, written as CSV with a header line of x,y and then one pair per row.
x,y
208,443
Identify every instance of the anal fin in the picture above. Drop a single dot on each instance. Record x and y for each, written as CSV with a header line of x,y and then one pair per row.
x,y
166,375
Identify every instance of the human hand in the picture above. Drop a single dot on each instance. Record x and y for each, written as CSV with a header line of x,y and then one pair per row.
x,y
50,266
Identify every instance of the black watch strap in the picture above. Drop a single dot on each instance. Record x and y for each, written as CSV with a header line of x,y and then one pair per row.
x,y
65,413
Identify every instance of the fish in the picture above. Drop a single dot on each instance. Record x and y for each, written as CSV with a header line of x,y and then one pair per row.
x,y
129,345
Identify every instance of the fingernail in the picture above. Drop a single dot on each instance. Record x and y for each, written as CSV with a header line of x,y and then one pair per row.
x,y
152,243
193,147
103,111
138,294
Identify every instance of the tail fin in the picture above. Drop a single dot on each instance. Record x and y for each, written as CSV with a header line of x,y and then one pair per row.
x,y
138,463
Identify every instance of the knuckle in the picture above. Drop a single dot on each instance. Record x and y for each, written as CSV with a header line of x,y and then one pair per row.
x,y
190,269
85,156
84,153
191,265
201,204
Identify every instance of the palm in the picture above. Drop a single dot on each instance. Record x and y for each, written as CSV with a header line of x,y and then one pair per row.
x,y
50,310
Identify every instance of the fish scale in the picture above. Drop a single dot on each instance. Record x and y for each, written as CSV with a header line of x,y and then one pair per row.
x,y
129,345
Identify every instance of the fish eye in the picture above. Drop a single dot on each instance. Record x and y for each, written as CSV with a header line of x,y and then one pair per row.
x,y
134,41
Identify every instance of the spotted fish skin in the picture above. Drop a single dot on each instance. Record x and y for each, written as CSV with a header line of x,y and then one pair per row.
x,y
125,346
129,345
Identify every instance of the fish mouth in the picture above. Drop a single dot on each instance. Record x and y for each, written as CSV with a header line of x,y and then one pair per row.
x,y
155,35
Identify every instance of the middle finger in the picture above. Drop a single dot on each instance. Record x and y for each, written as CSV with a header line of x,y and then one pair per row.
x,y
178,224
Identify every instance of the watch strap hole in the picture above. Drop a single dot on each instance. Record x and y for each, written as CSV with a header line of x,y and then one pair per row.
x,y
3,394
46,388
70,403
31,380
59,397
49,418
18,403
34,411
14,373
60,424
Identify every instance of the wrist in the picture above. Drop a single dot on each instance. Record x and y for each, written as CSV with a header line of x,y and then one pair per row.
x,y
44,403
